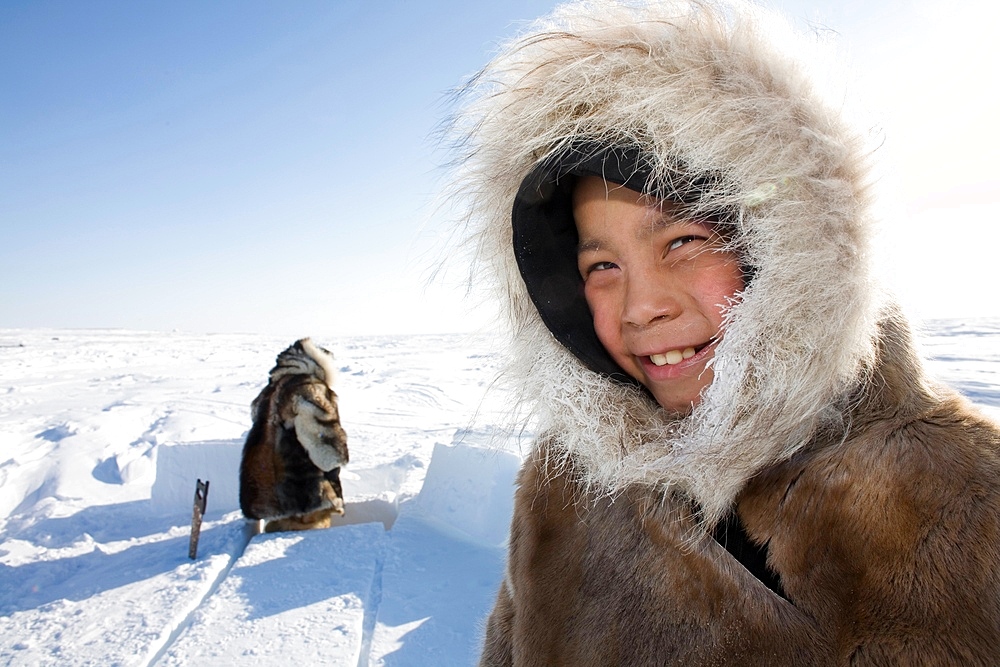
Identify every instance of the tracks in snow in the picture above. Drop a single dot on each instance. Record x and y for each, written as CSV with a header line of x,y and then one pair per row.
x,y
280,594
157,651
371,611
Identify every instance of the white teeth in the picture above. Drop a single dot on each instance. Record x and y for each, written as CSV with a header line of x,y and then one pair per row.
x,y
672,357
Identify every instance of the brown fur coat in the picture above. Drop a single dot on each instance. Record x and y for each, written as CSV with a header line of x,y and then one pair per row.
x,y
887,545
873,494
290,469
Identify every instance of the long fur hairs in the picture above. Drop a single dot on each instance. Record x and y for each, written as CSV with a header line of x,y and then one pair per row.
x,y
704,85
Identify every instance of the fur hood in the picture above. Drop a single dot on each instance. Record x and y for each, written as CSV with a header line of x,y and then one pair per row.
x,y
698,84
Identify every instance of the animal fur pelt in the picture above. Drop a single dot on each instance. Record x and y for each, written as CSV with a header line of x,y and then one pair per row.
x,y
872,493
290,471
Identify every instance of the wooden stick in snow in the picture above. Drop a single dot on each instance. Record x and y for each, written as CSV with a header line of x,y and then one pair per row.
x,y
200,502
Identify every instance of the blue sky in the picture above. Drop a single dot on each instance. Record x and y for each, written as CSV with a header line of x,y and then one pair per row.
x,y
271,167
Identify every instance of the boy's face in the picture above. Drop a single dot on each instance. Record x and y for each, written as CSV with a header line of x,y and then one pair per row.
x,y
657,287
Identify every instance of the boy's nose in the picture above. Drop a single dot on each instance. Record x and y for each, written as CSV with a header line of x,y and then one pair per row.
x,y
649,298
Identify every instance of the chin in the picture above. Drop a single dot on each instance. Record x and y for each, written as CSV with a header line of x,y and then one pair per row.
x,y
677,407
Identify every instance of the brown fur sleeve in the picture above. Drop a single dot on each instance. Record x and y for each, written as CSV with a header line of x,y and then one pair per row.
x,y
259,469
925,543
497,645
891,540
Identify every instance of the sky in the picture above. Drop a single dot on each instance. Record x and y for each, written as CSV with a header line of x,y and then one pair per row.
x,y
275,168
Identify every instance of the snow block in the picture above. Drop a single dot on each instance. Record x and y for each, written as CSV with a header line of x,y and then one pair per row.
x,y
436,594
469,491
179,467
291,599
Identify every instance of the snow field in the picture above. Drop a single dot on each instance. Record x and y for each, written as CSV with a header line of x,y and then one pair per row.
x,y
103,434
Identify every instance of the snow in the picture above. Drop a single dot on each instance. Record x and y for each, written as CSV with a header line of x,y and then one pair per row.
x,y
103,435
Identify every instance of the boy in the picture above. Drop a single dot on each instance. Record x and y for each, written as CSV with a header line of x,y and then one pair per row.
x,y
657,285
741,460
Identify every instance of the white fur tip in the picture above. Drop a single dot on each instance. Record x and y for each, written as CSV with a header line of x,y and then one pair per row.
x,y
322,358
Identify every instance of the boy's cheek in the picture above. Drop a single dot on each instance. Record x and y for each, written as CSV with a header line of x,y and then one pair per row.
x,y
606,315
611,339
608,331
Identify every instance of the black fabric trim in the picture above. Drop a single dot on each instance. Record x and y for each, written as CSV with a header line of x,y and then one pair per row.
x,y
732,535
545,244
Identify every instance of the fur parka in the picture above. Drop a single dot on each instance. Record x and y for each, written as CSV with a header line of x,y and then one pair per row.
x,y
290,468
862,498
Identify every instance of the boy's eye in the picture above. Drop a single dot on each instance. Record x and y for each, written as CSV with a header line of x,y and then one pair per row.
x,y
586,270
601,266
678,242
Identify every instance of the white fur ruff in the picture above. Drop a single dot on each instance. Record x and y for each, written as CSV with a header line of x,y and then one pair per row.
x,y
701,84
323,360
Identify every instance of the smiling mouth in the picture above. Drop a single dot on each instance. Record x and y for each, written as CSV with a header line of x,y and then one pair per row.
x,y
674,357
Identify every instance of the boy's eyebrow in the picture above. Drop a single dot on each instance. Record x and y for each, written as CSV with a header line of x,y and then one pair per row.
x,y
657,223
